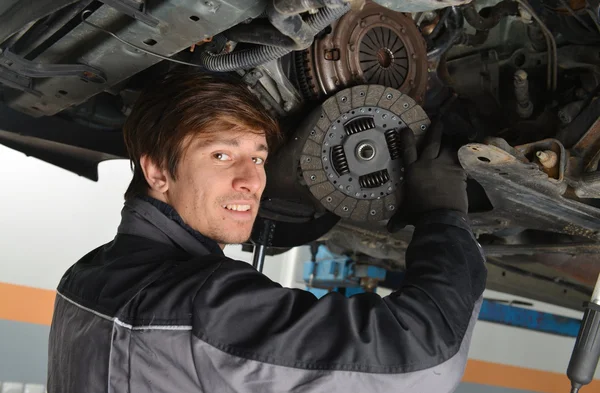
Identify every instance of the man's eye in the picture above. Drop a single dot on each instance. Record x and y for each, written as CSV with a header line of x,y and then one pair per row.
x,y
221,156
258,160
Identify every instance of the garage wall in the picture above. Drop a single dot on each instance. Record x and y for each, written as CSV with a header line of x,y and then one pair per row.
x,y
50,218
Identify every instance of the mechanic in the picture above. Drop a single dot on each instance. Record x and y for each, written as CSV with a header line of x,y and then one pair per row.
x,y
160,308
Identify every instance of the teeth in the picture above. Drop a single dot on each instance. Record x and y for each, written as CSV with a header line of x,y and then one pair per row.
x,y
240,208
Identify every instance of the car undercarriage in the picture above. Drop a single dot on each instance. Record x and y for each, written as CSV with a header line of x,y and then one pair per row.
x,y
515,83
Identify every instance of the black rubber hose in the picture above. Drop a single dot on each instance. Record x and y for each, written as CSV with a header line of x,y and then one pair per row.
x,y
24,11
452,35
476,39
489,17
253,57
248,58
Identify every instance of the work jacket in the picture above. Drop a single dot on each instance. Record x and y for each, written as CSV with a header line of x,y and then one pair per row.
x,y
162,309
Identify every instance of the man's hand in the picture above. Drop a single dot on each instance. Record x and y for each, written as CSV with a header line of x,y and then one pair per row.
x,y
433,181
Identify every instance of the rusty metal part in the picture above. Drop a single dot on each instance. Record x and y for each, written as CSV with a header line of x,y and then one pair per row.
x,y
524,104
551,157
427,28
373,45
549,160
585,154
524,196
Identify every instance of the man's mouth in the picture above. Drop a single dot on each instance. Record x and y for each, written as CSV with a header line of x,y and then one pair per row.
x,y
238,208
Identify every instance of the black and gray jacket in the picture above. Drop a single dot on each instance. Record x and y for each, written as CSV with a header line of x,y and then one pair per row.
x,y
161,309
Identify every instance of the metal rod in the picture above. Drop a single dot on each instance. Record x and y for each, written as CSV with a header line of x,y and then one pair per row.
x,y
550,44
258,260
596,293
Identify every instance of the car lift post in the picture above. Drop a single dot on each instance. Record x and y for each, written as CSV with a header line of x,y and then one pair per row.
x,y
586,352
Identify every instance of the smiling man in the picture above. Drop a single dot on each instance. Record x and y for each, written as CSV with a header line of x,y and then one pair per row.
x,y
161,309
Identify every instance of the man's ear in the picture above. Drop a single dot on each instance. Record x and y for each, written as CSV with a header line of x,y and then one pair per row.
x,y
157,178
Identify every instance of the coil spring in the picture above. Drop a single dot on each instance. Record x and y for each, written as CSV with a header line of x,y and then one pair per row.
x,y
375,179
359,125
391,137
338,157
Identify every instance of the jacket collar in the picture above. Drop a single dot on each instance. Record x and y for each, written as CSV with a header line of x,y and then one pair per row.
x,y
148,217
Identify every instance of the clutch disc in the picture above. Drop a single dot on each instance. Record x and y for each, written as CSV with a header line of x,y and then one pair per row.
x,y
351,161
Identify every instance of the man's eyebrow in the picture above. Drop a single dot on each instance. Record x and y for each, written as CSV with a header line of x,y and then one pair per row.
x,y
221,141
262,147
229,142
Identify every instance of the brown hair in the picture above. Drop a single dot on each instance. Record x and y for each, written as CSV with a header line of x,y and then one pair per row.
x,y
184,104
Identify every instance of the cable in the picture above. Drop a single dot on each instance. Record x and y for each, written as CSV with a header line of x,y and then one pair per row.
x,y
551,45
574,15
133,45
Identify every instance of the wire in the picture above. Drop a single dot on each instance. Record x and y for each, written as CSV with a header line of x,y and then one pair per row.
x,y
574,15
133,45
551,45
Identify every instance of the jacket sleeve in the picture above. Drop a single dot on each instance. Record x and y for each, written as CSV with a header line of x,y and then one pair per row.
x,y
399,340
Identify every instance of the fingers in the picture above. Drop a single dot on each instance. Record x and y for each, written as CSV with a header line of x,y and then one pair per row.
x,y
434,142
409,146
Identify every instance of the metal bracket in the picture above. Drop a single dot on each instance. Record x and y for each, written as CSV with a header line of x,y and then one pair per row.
x,y
27,68
18,73
137,12
19,82
523,195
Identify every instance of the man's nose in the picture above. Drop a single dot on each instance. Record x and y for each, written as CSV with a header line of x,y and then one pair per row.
x,y
248,177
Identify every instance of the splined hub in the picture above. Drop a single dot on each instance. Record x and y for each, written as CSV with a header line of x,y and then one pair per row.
x,y
351,161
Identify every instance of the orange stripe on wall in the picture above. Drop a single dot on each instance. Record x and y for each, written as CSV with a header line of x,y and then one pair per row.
x,y
495,374
26,304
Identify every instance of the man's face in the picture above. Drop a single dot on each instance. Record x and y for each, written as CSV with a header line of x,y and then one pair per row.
x,y
220,180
